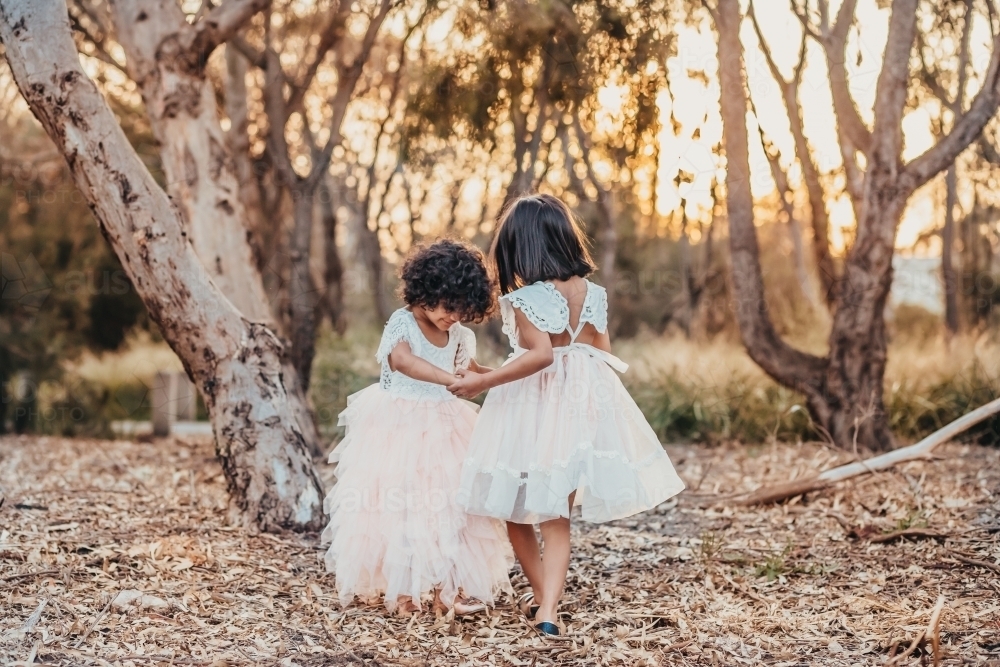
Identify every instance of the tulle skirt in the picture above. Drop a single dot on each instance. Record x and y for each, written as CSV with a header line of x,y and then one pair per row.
x,y
571,427
395,528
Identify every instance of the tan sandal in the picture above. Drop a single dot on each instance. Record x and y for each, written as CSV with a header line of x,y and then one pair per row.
x,y
525,604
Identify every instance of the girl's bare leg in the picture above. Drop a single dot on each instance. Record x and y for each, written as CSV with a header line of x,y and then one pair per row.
x,y
522,538
555,565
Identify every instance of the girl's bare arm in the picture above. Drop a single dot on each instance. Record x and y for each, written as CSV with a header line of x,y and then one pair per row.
x,y
537,357
403,360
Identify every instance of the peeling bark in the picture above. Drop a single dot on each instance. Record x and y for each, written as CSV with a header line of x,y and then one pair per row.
x,y
236,363
183,114
166,57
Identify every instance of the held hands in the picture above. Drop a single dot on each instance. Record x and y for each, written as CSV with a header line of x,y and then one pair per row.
x,y
468,385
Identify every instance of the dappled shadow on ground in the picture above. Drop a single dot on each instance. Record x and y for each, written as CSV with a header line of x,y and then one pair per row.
x,y
827,579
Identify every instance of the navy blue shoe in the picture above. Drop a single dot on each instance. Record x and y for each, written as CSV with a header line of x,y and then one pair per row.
x,y
547,628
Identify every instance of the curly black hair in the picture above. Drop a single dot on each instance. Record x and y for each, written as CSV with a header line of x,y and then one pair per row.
x,y
449,273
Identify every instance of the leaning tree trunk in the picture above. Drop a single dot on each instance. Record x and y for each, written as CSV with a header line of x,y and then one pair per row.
x,y
166,57
236,363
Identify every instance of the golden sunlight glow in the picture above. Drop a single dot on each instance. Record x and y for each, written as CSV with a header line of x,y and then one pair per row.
x,y
691,123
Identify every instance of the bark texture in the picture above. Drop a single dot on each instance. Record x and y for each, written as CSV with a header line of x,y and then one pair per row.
x,y
166,58
236,363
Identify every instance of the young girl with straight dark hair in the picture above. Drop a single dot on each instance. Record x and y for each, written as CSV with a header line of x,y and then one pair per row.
x,y
558,427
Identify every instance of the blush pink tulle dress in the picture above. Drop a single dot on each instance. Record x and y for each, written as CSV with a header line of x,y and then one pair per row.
x,y
570,427
395,529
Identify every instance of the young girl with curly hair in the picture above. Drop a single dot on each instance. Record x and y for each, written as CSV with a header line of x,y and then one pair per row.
x,y
395,529
558,427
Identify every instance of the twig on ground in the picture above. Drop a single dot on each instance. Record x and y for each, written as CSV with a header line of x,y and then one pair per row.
x,y
920,450
930,631
907,532
934,630
97,620
957,555
24,575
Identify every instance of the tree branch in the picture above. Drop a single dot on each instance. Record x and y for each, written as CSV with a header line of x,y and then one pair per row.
x,y
810,172
988,151
277,117
800,14
101,51
221,23
766,50
983,107
345,91
834,42
256,56
893,83
331,35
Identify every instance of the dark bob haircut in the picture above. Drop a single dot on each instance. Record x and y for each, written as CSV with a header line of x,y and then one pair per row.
x,y
451,274
539,238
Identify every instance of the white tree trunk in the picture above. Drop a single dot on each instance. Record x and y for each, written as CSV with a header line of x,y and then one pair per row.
x,y
184,117
166,58
236,363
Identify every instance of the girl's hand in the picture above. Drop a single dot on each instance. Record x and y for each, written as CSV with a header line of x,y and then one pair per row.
x,y
469,384
476,367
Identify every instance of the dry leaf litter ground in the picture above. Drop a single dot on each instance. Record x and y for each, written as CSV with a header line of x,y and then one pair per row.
x,y
121,553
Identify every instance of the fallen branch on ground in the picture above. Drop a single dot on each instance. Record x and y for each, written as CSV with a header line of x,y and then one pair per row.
x,y
920,450
908,532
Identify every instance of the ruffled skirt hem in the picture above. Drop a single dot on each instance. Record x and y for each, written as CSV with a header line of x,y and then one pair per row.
x,y
570,428
395,529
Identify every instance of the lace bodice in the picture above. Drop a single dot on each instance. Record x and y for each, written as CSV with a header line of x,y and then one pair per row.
x,y
548,310
461,348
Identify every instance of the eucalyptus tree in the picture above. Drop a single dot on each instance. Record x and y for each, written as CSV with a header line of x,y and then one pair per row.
x,y
167,52
236,362
844,388
285,98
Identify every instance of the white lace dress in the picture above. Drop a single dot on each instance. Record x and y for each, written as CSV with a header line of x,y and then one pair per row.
x,y
395,529
570,427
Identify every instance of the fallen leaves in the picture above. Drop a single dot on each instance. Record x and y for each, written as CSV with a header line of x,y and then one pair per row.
x,y
128,573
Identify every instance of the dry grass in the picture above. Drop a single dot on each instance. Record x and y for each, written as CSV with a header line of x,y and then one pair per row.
x,y
138,361
701,581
